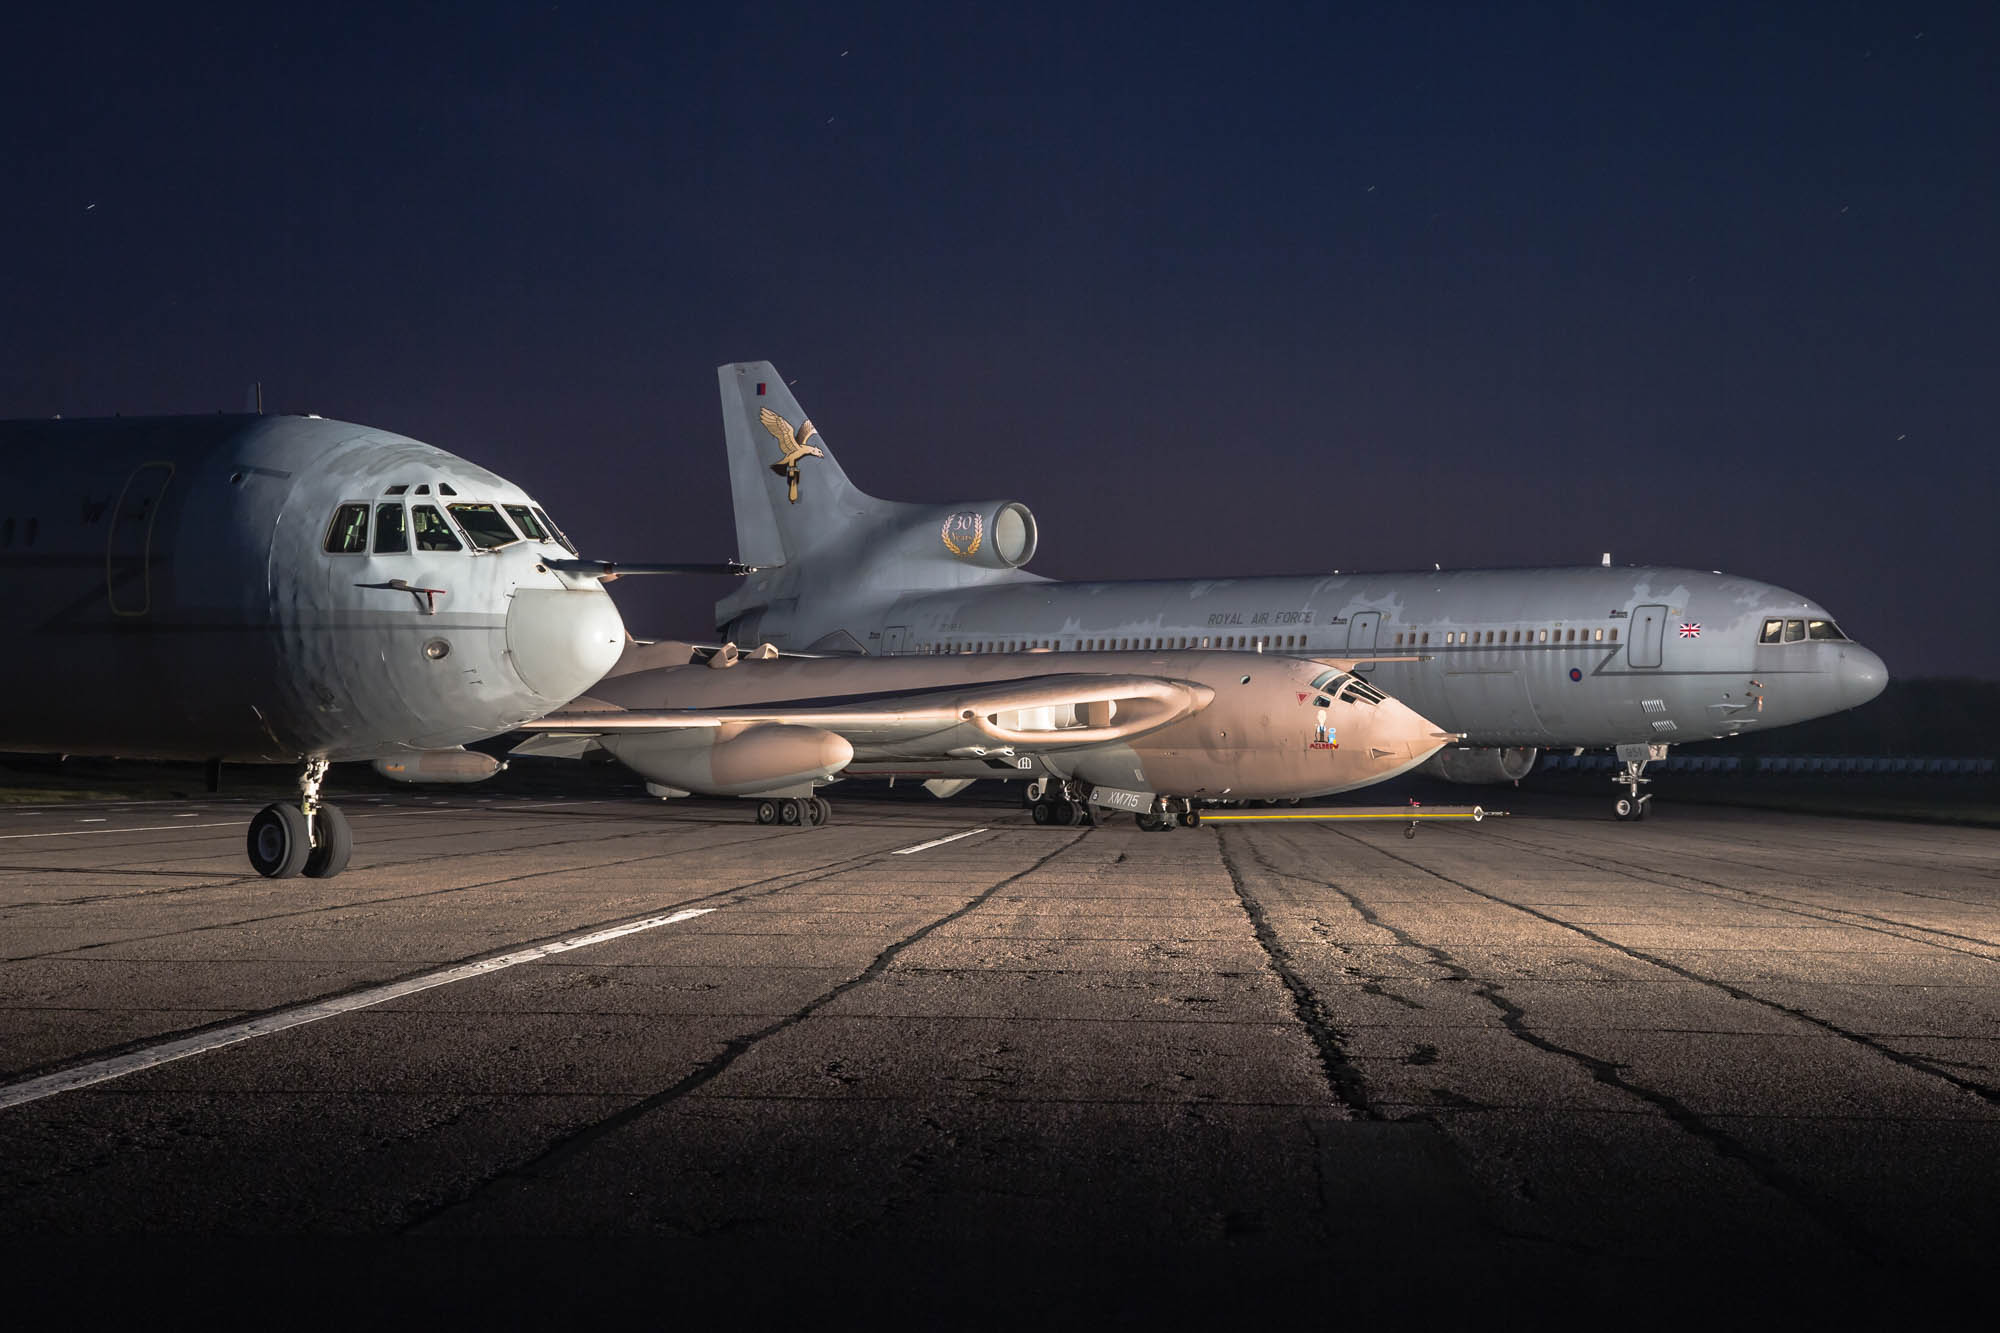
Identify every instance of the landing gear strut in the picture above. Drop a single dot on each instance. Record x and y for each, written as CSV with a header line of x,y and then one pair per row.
x,y
310,838
1635,804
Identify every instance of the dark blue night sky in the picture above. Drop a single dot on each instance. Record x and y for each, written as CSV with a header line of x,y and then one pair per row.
x,y
1259,289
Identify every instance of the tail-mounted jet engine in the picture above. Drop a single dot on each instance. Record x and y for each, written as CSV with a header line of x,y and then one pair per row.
x,y
988,534
1476,766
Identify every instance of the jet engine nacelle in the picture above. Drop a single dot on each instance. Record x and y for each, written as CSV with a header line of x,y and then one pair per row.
x,y
456,766
737,759
1475,766
989,534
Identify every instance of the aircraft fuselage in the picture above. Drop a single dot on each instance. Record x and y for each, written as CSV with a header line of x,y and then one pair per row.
x,y
1590,656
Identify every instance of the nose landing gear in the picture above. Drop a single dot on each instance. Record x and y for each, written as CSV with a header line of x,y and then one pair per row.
x,y
310,838
1635,804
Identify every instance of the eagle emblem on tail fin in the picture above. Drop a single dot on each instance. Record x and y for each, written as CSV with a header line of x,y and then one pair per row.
x,y
794,448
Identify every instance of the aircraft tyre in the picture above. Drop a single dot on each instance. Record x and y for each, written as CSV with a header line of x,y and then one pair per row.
x,y
791,812
1190,818
822,810
279,841
1045,812
330,854
1627,807
767,812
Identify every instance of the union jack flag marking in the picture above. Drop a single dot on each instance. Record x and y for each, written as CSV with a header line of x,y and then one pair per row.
x,y
1691,629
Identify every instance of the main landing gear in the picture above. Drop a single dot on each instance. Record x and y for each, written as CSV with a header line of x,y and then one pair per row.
x,y
1173,812
1635,804
795,811
1059,802
310,838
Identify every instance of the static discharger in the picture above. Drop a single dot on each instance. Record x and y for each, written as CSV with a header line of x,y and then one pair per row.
x,y
1412,813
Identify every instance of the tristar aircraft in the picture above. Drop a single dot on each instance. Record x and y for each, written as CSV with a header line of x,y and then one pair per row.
x,y
279,589
1635,658
1150,733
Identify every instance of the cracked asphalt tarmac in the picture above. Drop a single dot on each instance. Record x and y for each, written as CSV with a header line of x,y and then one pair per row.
x,y
1548,1047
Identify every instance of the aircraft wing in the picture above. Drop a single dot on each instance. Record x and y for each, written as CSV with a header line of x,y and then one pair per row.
x,y
1037,713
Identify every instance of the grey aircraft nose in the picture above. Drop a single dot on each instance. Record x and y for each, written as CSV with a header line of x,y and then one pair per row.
x,y
562,641
1862,675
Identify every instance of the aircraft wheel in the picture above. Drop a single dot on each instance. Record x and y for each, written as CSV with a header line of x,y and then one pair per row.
x,y
336,844
767,812
1625,808
1150,823
791,812
1190,818
279,841
1080,814
824,809
1044,813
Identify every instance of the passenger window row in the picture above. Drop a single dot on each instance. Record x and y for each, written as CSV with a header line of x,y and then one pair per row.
x,y
1492,638
1157,643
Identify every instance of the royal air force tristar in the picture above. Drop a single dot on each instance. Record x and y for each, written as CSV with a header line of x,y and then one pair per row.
x,y
1514,660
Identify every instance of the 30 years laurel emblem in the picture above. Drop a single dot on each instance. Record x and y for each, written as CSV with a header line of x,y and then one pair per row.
x,y
962,533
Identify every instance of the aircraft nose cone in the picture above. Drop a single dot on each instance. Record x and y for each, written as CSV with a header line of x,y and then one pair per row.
x,y
1404,728
563,641
1862,675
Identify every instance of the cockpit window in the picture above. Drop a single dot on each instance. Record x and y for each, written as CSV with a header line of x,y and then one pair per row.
x,y
1795,631
1773,632
557,532
1823,629
433,533
484,526
1325,680
391,533
524,519
348,533
1359,690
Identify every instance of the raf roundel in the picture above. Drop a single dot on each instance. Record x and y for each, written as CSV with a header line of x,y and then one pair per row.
x,y
1576,673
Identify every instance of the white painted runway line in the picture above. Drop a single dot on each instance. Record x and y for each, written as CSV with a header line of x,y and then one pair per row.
x,y
935,842
100,832
67,1080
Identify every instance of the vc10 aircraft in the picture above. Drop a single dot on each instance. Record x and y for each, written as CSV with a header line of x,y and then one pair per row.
x,y
1155,734
1636,658
279,589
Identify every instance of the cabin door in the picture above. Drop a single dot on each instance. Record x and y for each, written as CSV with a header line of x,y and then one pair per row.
x,y
1649,628
1361,636
127,561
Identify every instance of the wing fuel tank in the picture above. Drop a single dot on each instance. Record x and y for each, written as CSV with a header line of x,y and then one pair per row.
x,y
439,766
734,759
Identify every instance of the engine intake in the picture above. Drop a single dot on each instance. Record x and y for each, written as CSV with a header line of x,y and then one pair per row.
x,y
1476,766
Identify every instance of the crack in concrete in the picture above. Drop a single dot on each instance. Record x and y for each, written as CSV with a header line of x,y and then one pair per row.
x,y
578,1141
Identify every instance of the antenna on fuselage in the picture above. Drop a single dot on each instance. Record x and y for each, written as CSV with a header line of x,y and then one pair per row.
x,y
1606,562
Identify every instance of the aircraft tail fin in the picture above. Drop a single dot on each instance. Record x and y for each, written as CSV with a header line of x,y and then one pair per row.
x,y
790,494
